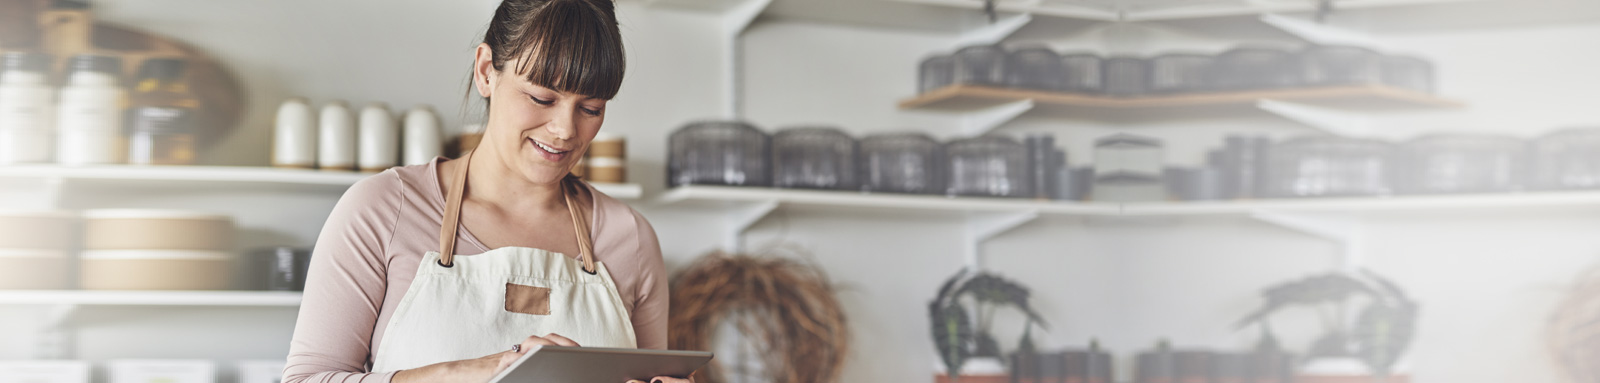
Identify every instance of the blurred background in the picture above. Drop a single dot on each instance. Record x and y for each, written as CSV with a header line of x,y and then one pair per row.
x,y
1155,191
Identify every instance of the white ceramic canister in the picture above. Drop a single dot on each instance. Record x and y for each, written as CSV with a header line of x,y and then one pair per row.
x,y
27,108
90,114
336,138
423,138
380,138
294,139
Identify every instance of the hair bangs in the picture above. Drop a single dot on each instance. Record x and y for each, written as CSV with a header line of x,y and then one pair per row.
x,y
566,50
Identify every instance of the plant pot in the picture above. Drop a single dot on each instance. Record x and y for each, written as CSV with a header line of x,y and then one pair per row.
x,y
975,370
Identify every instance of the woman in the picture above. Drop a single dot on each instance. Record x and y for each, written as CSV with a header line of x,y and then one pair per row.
x,y
556,262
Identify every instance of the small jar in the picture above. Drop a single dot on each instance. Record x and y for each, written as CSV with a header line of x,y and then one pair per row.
x,y
336,141
424,139
379,142
1127,76
294,139
980,65
1037,68
27,108
1083,73
814,158
935,72
1179,73
987,166
89,116
161,121
607,159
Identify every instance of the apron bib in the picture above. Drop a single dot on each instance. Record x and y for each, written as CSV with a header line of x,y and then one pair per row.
x,y
469,306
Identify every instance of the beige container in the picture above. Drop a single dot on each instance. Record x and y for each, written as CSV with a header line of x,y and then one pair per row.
x,y
36,230
33,269
119,229
607,170
156,270
608,145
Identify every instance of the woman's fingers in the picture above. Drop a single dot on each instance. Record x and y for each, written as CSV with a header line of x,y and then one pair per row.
x,y
668,379
506,358
560,340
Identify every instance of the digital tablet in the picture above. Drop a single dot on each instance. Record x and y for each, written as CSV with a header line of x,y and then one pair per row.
x,y
555,364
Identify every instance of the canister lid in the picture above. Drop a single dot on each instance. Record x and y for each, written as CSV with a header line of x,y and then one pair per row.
x,y
25,62
162,68
97,63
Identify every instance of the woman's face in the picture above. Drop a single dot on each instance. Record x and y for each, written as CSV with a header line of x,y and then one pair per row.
x,y
538,132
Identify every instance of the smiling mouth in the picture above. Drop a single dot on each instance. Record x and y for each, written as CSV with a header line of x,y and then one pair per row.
x,y
546,148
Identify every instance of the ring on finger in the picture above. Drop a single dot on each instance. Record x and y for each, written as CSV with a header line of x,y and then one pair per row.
x,y
516,347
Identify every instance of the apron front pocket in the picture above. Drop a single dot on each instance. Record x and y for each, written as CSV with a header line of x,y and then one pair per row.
x,y
527,299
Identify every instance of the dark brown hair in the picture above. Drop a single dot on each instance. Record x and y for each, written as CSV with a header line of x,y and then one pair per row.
x,y
572,46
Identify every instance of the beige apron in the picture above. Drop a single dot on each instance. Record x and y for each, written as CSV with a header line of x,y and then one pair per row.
x,y
469,306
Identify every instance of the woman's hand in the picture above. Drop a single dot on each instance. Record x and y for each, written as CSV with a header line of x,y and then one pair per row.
x,y
506,358
481,369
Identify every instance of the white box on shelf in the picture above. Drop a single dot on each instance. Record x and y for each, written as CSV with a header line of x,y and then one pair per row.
x,y
260,371
44,371
161,371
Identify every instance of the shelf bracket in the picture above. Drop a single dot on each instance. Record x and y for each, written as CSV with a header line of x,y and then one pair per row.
x,y
1333,121
54,340
1343,230
982,227
740,219
993,33
976,123
734,23
1320,33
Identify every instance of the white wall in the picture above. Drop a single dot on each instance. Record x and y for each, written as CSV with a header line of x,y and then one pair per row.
x,y
1486,280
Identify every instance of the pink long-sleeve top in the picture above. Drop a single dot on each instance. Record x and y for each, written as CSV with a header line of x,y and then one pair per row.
x,y
373,242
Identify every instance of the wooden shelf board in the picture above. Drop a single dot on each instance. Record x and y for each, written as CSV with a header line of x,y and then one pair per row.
x,y
967,97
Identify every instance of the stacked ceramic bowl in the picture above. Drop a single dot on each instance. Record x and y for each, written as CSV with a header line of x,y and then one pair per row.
x,y
156,250
34,247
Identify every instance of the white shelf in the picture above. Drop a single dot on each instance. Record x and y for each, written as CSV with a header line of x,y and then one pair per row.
x,y
879,201
315,179
151,298
914,204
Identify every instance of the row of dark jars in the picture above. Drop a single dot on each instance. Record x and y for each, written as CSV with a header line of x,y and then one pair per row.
x,y
1253,67
737,153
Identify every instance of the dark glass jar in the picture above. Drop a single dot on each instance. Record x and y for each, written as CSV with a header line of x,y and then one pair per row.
x,y
1127,76
936,72
1340,65
814,158
1462,163
980,65
1084,73
1255,67
1037,68
989,166
1408,73
902,163
1180,73
719,153
1568,159
1330,166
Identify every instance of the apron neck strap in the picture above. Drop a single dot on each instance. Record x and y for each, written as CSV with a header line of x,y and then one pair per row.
x,y
452,217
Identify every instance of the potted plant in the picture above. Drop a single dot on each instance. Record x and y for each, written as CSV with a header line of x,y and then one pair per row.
x,y
962,315
1375,337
